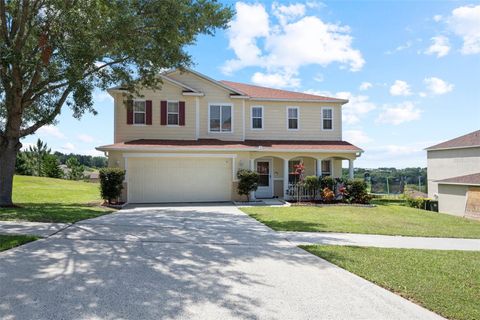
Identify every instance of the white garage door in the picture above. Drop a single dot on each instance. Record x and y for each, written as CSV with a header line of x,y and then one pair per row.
x,y
175,179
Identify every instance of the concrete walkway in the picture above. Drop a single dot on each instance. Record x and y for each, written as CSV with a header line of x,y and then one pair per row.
x,y
38,229
209,262
370,240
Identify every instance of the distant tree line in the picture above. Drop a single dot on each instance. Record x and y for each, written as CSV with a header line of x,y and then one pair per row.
x,y
38,160
392,180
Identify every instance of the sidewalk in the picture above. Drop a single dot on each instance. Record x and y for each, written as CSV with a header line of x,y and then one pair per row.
x,y
39,229
371,240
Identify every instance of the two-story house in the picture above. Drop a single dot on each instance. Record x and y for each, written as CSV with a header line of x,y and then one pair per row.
x,y
186,142
454,175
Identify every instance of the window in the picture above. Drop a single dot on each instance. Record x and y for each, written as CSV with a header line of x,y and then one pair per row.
x,y
326,168
327,118
172,113
220,118
257,117
293,175
292,118
139,113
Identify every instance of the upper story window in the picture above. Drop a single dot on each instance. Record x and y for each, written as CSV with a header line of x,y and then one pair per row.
x,y
220,118
326,168
293,115
172,113
327,118
139,112
257,117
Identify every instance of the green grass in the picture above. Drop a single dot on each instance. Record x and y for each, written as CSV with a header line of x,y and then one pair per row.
x,y
446,282
53,200
382,219
8,242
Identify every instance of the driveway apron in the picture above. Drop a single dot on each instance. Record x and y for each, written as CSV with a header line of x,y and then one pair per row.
x,y
183,262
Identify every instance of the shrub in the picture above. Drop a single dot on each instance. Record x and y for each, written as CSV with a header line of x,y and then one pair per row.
x,y
327,182
357,192
328,195
76,169
50,167
248,182
419,203
111,183
312,185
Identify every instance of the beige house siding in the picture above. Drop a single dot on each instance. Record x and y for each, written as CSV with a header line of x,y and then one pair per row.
x,y
452,199
310,122
128,132
443,164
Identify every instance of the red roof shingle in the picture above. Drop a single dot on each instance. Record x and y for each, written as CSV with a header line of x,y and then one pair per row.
x,y
247,145
469,140
470,179
276,94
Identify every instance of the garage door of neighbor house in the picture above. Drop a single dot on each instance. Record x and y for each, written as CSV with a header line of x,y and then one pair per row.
x,y
173,179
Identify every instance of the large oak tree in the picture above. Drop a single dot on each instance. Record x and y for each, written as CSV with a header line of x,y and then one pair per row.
x,y
53,53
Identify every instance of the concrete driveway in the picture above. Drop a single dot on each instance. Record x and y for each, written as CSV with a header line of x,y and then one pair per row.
x,y
198,262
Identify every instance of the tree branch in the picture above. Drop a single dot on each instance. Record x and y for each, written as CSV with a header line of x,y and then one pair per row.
x,y
48,119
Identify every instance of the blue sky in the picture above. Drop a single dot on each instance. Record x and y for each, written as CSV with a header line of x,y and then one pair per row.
x,y
410,69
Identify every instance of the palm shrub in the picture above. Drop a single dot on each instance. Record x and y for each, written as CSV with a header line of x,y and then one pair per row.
x,y
327,182
248,182
111,183
357,192
312,185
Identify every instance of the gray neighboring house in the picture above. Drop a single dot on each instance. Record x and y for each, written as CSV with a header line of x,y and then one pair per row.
x,y
454,175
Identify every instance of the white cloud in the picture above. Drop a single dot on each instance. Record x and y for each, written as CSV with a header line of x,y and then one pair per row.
x,y
102,96
356,136
276,80
440,46
400,88
85,138
94,153
365,86
465,22
437,17
437,86
68,147
27,145
356,108
401,47
282,47
319,77
400,113
50,131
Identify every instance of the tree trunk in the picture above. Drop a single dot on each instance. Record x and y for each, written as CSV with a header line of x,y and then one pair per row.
x,y
8,155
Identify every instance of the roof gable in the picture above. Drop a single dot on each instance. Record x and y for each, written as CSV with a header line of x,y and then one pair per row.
x,y
469,140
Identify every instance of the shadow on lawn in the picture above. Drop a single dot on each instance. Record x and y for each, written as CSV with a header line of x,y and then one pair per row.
x,y
292,225
52,212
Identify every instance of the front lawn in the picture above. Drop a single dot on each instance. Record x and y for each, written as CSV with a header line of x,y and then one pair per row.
x,y
446,282
382,219
53,200
8,242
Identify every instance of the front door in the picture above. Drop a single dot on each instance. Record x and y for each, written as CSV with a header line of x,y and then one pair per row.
x,y
265,185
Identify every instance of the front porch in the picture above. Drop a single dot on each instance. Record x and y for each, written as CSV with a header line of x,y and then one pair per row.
x,y
278,174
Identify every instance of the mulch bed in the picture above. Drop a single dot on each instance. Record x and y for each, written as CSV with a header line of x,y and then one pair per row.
x,y
318,203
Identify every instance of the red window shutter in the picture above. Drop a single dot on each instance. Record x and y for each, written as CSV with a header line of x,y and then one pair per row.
x,y
129,111
181,113
148,109
163,113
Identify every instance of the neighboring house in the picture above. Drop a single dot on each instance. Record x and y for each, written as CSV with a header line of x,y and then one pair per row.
x,y
454,174
187,141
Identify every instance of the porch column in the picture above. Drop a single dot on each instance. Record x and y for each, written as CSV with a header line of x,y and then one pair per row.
x,y
252,168
350,168
319,167
285,178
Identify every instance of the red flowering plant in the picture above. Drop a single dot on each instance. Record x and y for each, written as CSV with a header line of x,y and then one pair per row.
x,y
343,193
299,170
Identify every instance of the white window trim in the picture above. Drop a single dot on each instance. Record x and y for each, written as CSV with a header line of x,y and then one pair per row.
x,y
298,118
333,127
251,118
144,112
220,104
178,113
